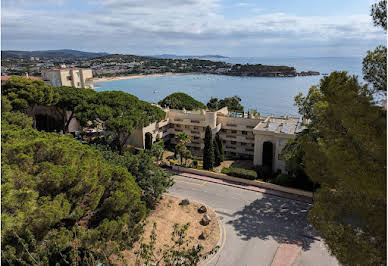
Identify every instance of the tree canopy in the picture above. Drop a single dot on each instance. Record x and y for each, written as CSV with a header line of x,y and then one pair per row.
x,y
208,151
61,202
181,101
26,94
347,157
120,113
233,104
74,101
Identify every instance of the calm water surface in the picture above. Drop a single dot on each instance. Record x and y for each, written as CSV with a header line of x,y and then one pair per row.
x,y
267,95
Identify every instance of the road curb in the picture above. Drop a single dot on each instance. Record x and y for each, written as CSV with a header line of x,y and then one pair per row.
x,y
236,185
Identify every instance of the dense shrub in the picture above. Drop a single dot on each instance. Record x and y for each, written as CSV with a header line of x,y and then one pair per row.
x,y
240,172
181,100
294,182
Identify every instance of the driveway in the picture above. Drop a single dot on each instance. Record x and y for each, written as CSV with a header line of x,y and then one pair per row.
x,y
261,229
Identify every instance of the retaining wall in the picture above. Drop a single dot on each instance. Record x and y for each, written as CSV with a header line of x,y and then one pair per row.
x,y
255,183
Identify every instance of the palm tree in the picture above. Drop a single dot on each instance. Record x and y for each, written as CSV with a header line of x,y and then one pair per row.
x,y
182,139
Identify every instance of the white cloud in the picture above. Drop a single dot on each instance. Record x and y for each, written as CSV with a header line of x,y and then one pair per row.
x,y
153,25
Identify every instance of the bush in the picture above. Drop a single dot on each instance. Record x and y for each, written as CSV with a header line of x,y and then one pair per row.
x,y
240,172
263,172
283,180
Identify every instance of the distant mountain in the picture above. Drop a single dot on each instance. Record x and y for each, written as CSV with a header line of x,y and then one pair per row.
x,y
51,54
173,56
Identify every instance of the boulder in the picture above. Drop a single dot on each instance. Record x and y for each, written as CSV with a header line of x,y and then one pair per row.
x,y
184,202
205,220
202,209
205,234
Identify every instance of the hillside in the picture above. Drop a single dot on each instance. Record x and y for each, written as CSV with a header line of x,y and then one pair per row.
x,y
50,54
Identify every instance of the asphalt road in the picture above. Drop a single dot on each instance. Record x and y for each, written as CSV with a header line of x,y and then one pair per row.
x,y
256,225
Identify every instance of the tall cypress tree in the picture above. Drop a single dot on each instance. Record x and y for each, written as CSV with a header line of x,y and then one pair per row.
x,y
220,147
217,159
208,151
148,141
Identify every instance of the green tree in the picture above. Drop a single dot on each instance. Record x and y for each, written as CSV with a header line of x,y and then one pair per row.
x,y
379,14
348,159
151,179
220,145
27,94
182,140
181,101
120,113
148,141
375,69
157,150
208,151
72,102
374,65
212,104
293,155
217,159
233,104
61,202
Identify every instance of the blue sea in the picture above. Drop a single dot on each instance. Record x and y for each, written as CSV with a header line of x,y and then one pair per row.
x,y
268,95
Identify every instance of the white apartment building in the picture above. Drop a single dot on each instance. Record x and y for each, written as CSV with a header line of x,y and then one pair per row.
x,y
73,77
258,138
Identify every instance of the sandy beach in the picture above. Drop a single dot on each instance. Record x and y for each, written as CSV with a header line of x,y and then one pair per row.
x,y
141,76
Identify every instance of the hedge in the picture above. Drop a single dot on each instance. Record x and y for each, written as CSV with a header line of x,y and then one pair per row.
x,y
240,172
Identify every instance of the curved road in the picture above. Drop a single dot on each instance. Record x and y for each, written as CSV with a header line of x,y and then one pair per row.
x,y
261,229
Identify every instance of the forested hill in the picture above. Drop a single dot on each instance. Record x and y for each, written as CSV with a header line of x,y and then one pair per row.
x,y
50,54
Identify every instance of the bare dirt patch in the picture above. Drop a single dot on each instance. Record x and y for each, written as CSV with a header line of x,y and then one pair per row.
x,y
169,212
246,164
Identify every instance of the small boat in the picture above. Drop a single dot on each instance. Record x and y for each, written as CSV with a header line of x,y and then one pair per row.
x,y
155,91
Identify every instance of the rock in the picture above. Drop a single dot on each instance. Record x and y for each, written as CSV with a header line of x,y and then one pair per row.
x,y
205,220
202,209
205,234
184,202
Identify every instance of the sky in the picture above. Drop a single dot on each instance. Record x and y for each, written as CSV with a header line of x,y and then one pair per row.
x,y
238,28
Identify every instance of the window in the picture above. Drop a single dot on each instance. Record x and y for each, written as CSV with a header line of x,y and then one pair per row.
x,y
233,142
187,126
69,78
244,132
78,84
195,121
243,144
234,131
249,149
178,126
250,126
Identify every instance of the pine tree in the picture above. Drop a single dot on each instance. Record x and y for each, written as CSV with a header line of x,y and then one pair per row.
x,y
217,159
208,151
220,147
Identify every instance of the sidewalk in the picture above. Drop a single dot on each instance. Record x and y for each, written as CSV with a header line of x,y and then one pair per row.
x,y
244,186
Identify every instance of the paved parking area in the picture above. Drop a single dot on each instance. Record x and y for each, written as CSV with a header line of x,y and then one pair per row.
x,y
261,229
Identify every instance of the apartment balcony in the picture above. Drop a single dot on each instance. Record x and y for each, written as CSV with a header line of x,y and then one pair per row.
x,y
237,138
191,122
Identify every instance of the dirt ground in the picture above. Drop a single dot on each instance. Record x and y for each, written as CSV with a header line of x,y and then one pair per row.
x,y
169,212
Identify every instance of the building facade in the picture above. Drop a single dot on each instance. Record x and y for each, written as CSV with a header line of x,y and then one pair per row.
x,y
73,77
244,136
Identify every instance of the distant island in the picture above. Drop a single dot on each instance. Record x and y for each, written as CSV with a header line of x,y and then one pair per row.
x,y
106,65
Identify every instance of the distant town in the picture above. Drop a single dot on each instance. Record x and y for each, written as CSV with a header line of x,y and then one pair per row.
x,y
114,65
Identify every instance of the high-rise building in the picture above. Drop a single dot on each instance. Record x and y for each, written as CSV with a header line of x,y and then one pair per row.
x,y
73,77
